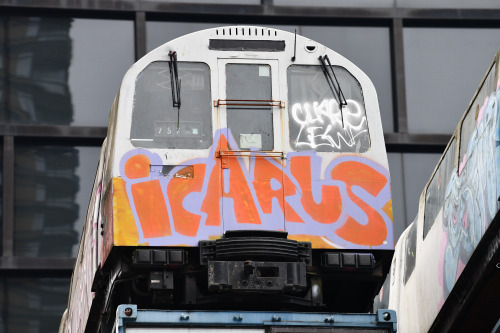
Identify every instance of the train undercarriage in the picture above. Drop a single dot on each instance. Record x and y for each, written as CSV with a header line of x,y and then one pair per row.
x,y
244,270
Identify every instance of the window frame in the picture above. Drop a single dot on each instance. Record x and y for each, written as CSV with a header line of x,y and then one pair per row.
x,y
164,142
330,103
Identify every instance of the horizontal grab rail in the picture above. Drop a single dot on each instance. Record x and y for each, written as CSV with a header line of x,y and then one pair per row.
x,y
252,153
248,102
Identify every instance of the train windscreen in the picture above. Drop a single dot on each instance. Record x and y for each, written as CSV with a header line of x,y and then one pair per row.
x,y
157,123
318,121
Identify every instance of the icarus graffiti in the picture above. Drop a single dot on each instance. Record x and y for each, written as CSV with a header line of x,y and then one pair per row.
x,y
349,205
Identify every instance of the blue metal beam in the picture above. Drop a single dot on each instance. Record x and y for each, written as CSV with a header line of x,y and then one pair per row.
x,y
129,315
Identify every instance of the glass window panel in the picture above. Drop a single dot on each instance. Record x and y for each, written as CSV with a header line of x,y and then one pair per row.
x,y
338,3
400,221
251,126
65,71
417,170
221,2
470,129
289,28
409,175
32,305
39,58
435,194
52,190
411,252
353,43
3,304
1,199
99,62
443,69
157,123
159,33
317,121
476,4
3,22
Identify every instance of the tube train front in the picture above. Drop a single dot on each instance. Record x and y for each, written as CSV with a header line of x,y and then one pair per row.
x,y
244,167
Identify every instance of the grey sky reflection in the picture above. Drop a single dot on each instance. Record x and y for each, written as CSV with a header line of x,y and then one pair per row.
x,y
103,50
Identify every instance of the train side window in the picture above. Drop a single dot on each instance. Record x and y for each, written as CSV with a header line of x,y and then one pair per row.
x,y
436,191
478,115
251,126
156,123
315,118
411,251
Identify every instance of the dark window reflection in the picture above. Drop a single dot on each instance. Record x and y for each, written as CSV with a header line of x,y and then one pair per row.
x,y
3,23
32,305
52,191
3,304
39,60
158,33
63,71
1,199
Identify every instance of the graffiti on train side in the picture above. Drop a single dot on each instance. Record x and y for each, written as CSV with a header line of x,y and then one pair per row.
x,y
325,125
470,203
81,295
349,205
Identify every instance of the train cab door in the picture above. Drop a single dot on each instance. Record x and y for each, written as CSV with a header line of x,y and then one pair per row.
x,y
250,109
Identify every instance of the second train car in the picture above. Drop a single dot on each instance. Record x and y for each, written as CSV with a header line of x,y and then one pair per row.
x,y
244,168
445,271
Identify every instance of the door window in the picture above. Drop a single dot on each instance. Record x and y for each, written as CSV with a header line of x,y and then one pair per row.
x,y
249,120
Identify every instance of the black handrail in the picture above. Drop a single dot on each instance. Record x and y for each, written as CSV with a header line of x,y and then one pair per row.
x,y
175,83
333,83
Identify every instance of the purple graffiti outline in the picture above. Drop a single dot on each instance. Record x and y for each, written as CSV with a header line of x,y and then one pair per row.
x,y
229,219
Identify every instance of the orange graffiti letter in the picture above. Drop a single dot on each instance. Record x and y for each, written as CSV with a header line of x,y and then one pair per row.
x,y
330,207
181,185
356,173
